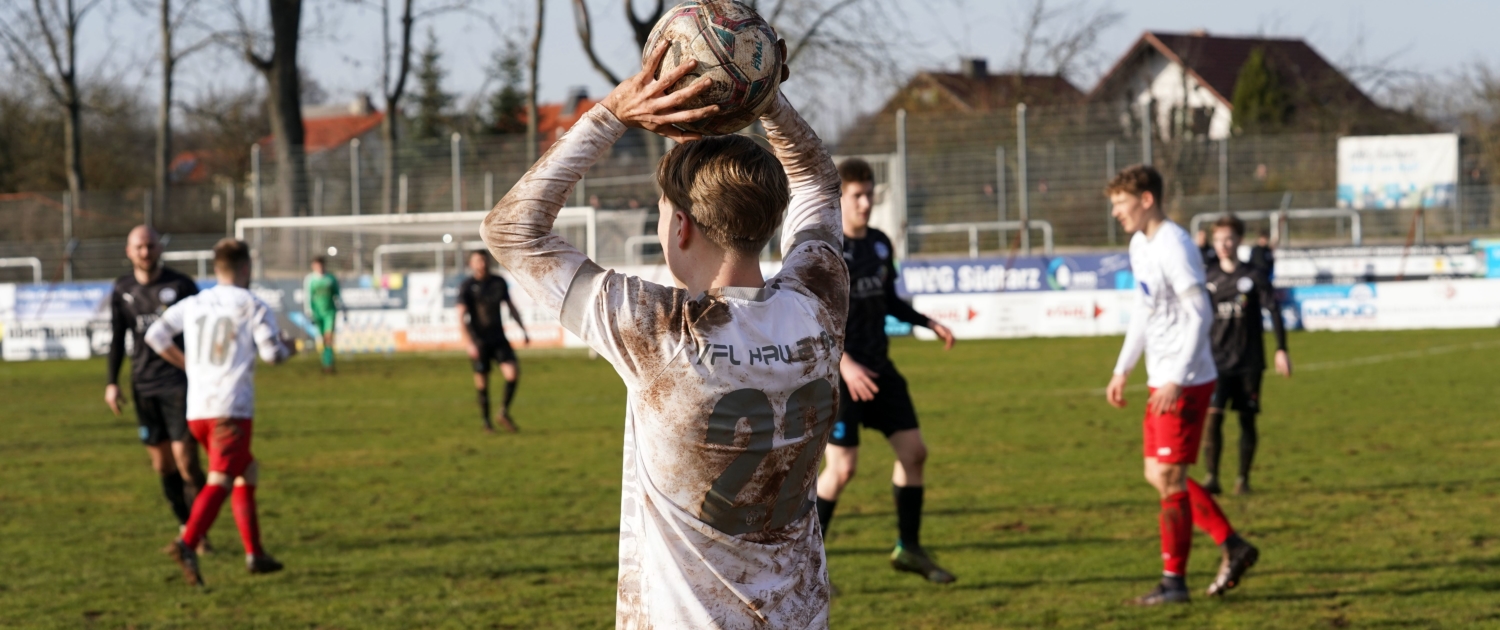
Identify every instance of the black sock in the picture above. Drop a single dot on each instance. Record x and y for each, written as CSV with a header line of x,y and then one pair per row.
x,y
1213,437
908,515
484,407
510,392
825,514
171,485
1248,439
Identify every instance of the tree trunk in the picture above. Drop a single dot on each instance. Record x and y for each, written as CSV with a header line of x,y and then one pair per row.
x,y
536,56
73,154
286,108
389,132
164,113
388,171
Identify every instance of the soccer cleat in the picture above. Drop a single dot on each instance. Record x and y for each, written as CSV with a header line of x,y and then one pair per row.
x,y
188,560
505,422
262,563
1211,485
1242,485
1239,556
1164,593
915,561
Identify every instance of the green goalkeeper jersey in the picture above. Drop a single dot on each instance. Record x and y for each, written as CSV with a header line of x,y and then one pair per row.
x,y
322,291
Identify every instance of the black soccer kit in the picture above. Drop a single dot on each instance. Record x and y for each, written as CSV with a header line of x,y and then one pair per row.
x,y
159,388
872,296
481,300
1238,335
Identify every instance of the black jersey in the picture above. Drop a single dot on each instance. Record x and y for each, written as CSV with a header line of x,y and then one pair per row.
x,y
481,300
1238,334
872,295
133,307
1264,259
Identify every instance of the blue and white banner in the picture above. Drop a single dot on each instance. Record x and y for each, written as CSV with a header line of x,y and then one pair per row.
x,y
1084,272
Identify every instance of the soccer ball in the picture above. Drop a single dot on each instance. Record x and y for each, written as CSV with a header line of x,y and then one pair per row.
x,y
735,48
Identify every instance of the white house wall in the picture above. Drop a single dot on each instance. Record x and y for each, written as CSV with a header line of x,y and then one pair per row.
x,y
1165,81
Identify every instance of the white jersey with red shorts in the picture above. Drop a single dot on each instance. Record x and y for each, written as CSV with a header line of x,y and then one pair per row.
x,y
1170,324
731,393
223,328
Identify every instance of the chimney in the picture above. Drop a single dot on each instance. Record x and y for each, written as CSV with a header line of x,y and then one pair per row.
x,y
575,96
974,67
1198,32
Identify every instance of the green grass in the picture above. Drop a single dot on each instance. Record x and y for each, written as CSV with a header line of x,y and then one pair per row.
x,y
1376,501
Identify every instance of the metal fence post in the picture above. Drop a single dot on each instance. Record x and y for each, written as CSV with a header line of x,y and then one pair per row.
x,y
317,210
458,204
256,206
146,214
1146,133
359,241
489,190
1224,175
229,209
67,237
1109,172
1022,188
401,194
1004,204
904,247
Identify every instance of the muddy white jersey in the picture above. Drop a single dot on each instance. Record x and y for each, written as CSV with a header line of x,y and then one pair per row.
x,y
731,394
1173,315
223,328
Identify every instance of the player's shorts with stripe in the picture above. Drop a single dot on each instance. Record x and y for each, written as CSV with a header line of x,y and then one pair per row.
x,y
227,441
891,410
1238,391
162,417
1173,437
493,351
324,322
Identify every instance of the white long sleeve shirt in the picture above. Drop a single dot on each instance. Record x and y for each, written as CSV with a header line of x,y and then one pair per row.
x,y
731,393
1172,315
224,329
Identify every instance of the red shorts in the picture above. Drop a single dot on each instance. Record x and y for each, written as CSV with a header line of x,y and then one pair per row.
x,y
1173,437
227,441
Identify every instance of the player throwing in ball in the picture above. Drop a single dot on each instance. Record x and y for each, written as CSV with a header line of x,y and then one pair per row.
x,y
225,327
1239,292
871,392
479,299
731,378
160,388
320,301
1170,323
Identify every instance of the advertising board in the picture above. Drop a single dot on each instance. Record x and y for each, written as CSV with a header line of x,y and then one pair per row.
x,y
1084,272
1387,172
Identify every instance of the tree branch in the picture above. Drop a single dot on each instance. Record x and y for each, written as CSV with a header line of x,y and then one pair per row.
x,y
586,36
812,31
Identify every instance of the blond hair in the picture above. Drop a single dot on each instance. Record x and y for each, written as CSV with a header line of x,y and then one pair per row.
x,y
732,188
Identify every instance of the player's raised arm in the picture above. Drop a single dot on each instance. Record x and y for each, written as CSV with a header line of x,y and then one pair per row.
x,y
814,211
518,230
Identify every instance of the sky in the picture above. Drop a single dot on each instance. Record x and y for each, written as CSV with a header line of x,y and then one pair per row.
x,y
342,40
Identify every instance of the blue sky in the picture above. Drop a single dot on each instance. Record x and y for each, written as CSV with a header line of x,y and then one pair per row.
x,y
1437,37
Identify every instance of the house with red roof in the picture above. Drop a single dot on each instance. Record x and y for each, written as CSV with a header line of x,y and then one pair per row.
x,y
1187,81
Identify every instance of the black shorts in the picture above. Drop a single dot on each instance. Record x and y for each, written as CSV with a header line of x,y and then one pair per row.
x,y
891,410
1239,391
493,351
162,417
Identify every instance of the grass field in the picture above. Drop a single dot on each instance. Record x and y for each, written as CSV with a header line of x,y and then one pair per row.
x,y
1376,503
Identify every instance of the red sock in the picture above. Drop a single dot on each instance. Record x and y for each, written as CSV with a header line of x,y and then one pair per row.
x,y
244,516
205,510
1176,533
1207,515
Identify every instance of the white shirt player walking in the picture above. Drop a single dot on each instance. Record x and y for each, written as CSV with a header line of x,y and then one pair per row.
x,y
731,392
224,329
1167,271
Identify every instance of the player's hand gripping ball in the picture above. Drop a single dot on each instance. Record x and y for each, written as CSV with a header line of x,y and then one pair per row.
x,y
738,52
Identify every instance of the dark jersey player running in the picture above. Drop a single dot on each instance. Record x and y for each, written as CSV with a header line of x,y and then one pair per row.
x,y
479,300
1239,291
159,388
871,392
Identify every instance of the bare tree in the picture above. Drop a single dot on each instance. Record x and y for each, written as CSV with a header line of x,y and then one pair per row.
x,y
1063,39
273,54
52,25
536,56
172,24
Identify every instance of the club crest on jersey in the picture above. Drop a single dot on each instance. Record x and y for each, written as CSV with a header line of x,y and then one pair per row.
x,y
1245,285
882,250
168,295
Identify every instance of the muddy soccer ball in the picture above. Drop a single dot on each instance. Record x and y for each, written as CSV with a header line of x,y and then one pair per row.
x,y
735,48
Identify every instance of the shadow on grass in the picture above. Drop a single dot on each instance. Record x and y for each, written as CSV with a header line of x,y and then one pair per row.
x,y
978,546
443,540
1485,585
